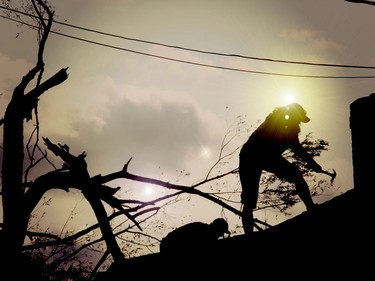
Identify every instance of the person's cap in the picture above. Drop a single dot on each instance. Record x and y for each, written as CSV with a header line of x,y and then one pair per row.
x,y
221,225
298,111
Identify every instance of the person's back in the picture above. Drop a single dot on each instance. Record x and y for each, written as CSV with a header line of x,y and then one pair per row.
x,y
186,238
278,132
193,238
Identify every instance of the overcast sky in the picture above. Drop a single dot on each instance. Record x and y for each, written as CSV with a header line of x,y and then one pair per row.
x,y
171,116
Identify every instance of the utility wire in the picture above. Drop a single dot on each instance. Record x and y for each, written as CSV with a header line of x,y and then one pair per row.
x,y
207,65
214,53
362,2
194,50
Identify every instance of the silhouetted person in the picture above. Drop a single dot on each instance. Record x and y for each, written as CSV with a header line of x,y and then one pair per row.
x,y
263,152
193,239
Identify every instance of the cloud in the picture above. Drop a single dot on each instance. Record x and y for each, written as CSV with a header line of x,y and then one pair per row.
x,y
113,122
311,37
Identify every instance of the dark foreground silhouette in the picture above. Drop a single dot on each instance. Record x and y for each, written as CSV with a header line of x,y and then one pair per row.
x,y
194,237
193,243
333,241
264,150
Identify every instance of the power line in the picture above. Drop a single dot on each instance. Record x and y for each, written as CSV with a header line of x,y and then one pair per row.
x,y
362,2
207,65
215,53
194,50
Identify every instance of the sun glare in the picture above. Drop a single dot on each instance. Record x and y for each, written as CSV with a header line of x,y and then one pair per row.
x,y
288,97
205,152
148,190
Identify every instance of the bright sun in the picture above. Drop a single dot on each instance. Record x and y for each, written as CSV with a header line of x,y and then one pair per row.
x,y
148,190
288,96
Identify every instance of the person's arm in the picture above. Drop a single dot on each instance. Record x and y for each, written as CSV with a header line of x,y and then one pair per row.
x,y
299,150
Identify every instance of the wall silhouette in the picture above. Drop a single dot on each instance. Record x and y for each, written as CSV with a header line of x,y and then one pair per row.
x,y
362,120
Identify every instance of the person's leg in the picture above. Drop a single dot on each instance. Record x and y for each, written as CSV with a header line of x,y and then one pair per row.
x,y
247,219
249,176
284,169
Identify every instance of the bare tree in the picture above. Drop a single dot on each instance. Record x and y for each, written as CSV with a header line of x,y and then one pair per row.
x,y
19,197
15,204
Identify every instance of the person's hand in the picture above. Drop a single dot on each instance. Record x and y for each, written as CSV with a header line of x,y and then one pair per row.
x,y
315,167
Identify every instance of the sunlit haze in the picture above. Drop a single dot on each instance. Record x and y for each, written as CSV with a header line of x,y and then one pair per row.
x,y
169,109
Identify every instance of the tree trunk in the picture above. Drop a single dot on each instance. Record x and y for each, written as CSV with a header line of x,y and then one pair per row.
x,y
14,218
